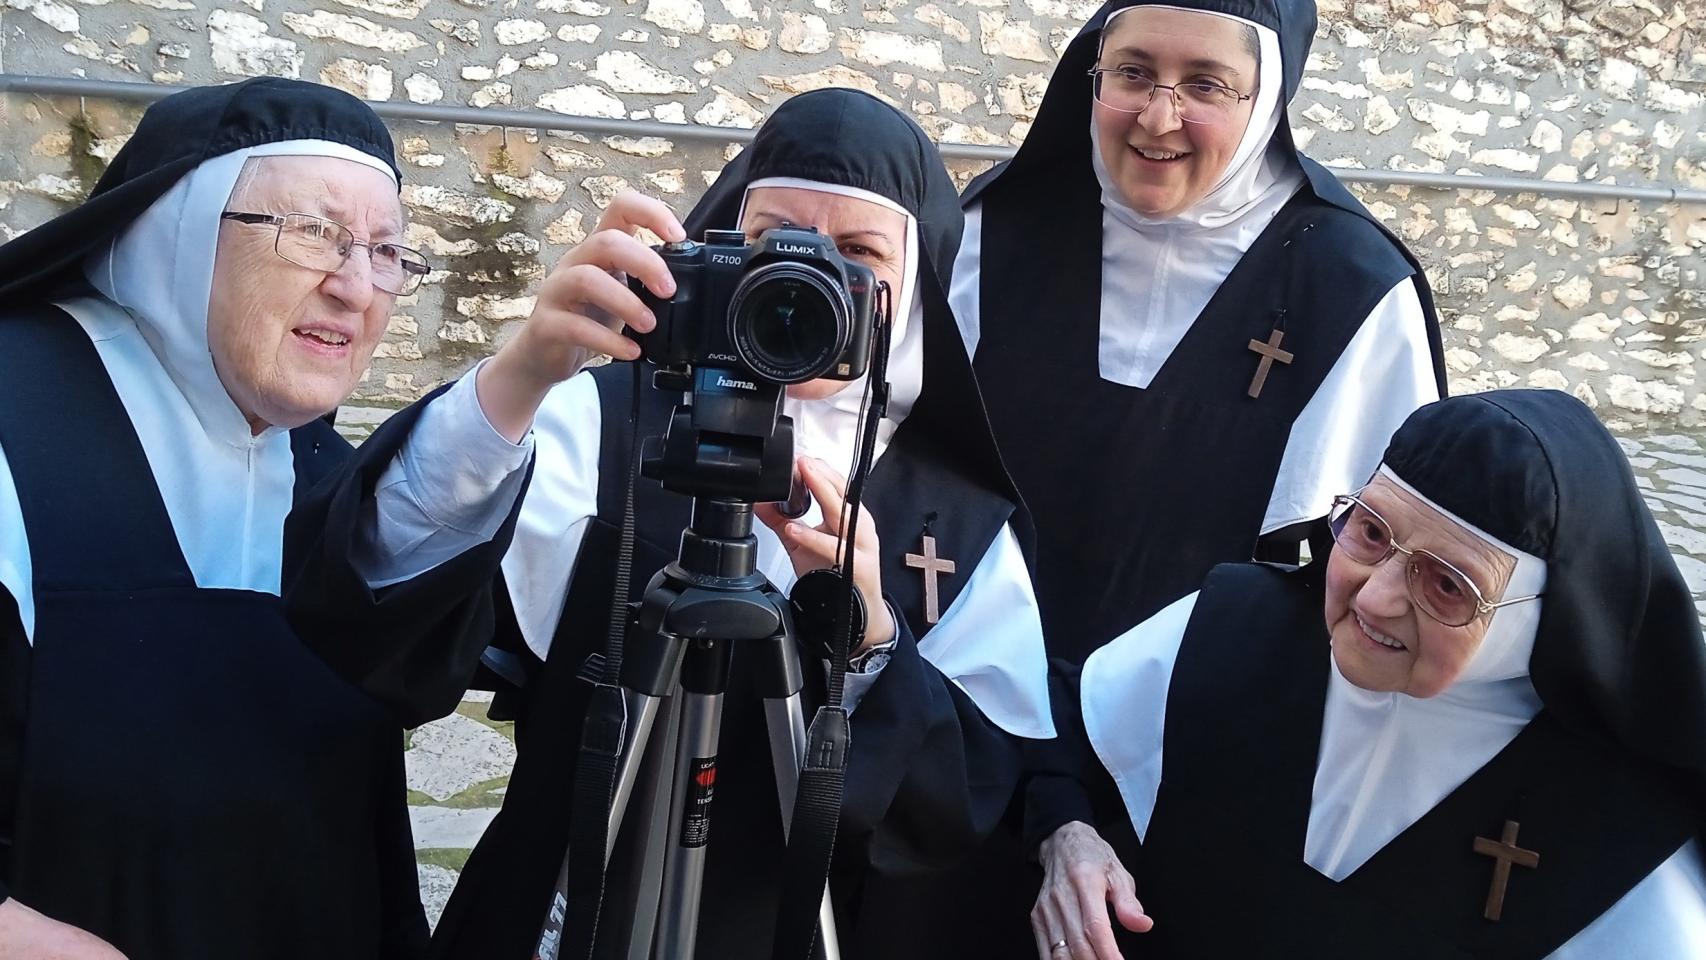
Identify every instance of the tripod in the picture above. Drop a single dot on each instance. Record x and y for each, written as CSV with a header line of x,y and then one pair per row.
x,y
676,663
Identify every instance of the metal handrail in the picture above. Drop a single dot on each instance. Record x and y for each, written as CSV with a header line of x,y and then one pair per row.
x,y
621,126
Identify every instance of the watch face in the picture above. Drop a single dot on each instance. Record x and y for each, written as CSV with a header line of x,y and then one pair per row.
x,y
873,659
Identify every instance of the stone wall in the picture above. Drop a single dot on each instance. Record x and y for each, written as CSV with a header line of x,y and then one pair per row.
x,y
1603,298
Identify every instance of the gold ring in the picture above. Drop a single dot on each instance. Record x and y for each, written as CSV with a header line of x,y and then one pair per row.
x,y
1056,945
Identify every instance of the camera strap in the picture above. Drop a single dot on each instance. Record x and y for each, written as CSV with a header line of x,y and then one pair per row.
x,y
823,777
579,891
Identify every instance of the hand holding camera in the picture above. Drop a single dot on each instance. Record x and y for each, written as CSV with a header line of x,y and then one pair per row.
x,y
814,547
580,311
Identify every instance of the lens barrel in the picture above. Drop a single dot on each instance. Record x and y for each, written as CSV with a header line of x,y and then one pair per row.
x,y
789,321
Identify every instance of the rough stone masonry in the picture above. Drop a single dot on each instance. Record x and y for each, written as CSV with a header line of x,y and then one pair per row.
x,y
1602,298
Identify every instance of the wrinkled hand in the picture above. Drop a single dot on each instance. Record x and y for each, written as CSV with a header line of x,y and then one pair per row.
x,y
580,311
813,548
1081,877
28,935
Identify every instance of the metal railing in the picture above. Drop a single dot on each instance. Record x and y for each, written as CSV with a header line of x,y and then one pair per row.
x,y
693,132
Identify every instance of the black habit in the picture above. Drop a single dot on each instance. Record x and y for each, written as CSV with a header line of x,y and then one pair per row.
x,y
929,775
1171,478
1181,470
190,772
1607,781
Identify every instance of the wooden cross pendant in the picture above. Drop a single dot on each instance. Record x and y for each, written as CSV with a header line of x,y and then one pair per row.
x,y
1270,352
1506,852
932,566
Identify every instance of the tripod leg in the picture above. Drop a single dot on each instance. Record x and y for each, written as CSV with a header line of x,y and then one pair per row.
x,y
640,711
690,824
787,722
639,855
642,714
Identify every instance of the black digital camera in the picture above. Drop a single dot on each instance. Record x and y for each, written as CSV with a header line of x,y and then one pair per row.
x,y
787,308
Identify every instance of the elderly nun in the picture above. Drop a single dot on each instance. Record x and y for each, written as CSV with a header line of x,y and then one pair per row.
x,y
215,617
1476,728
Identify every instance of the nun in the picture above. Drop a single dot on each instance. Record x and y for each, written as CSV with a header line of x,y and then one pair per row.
x,y
1201,316
1188,296
1477,728
949,682
215,616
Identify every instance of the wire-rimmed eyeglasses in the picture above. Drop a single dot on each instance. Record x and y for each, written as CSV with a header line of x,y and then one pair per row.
x,y
1130,90
1438,589
325,245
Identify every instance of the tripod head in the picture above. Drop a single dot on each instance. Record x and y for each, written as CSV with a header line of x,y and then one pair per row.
x,y
727,438
711,592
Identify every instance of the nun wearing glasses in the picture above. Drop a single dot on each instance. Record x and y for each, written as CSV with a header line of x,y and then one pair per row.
x,y
1215,315
1200,314
215,615
1476,728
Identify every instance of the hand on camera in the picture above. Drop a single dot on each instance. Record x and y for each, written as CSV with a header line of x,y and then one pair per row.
x,y
813,548
580,311
28,935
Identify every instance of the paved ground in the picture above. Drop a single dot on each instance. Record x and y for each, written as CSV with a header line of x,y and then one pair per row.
x,y
459,766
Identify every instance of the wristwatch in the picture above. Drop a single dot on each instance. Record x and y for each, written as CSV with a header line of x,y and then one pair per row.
x,y
876,656
872,658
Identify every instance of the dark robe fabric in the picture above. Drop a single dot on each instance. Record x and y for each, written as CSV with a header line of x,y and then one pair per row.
x,y
190,768
191,772
929,776
1233,810
1183,468
1607,781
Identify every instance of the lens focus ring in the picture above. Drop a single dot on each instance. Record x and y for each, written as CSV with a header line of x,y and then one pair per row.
x,y
789,321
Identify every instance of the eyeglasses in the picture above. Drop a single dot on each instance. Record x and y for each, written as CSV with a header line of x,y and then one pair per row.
x,y
1439,589
325,245
1130,90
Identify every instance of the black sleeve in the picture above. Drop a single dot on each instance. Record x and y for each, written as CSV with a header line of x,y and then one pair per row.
x,y
1059,771
14,685
413,646
929,777
507,666
402,917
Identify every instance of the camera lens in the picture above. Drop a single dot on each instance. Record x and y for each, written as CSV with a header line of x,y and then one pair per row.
x,y
789,321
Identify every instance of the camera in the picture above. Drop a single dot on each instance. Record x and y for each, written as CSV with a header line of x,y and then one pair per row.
x,y
786,308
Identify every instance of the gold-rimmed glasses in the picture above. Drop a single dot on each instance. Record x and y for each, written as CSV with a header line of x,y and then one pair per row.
x,y
1438,588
